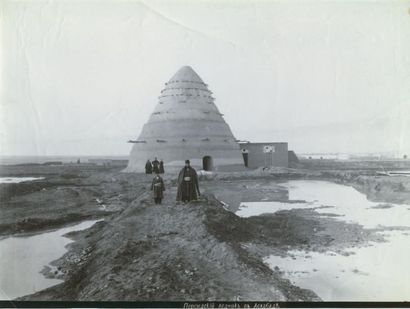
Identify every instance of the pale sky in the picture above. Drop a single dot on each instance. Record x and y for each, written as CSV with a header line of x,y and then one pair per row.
x,y
82,77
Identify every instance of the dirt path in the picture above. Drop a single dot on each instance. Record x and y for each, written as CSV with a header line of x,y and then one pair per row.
x,y
197,251
166,252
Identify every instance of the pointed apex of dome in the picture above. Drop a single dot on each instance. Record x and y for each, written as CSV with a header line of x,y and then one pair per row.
x,y
186,73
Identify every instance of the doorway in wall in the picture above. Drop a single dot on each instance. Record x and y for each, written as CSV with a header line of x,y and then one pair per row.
x,y
207,163
245,155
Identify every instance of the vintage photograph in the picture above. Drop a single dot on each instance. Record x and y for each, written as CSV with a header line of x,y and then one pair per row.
x,y
205,151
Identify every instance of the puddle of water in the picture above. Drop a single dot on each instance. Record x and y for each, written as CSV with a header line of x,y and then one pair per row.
x,y
18,179
349,204
399,173
250,209
22,259
379,272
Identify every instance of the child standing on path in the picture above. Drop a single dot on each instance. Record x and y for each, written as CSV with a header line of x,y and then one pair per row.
x,y
158,188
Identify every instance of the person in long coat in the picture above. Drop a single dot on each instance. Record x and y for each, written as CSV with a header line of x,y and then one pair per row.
x,y
188,185
158,188
155,166
161,167
148,167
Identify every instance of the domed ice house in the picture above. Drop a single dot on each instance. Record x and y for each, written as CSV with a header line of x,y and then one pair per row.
x,y
186,124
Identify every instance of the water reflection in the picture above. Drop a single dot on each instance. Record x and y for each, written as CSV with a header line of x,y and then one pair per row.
x,y
326,197
235,193
18,179
22,259
379,272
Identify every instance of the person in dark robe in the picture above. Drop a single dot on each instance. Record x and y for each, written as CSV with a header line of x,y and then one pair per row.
x,y
148,167
158,188
187,184
155,166
161,167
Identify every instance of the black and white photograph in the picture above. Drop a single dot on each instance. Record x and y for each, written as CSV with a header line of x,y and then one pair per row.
x,y
204,153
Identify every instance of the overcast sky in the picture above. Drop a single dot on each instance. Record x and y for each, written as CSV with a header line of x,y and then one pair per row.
x,y
82,77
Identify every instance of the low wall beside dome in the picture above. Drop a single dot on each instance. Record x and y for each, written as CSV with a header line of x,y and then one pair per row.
x,y
265,154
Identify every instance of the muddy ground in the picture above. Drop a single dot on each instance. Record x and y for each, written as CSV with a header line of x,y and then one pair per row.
x,y
198,251
68,194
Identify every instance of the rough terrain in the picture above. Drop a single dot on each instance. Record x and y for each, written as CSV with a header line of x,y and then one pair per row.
x,y
197,251
67,194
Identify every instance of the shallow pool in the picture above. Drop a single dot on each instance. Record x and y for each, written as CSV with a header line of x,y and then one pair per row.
x,y
345,201
18,179
379,272
22,259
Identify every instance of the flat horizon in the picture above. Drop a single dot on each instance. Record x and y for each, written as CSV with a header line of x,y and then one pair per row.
x,y
323,76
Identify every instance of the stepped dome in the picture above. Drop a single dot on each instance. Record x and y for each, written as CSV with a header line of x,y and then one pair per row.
x,y
186,124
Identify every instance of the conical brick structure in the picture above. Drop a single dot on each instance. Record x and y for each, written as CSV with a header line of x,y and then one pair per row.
x,y
186,124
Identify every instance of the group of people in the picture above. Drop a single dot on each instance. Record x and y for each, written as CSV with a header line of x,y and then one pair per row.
x,y
188,186
156,167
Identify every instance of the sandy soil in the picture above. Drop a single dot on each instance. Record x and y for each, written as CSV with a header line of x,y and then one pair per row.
x,y
198,251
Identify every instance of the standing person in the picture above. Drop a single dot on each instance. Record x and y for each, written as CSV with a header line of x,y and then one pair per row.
x,y
161,167
155,166
158,188
148,167
187,184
